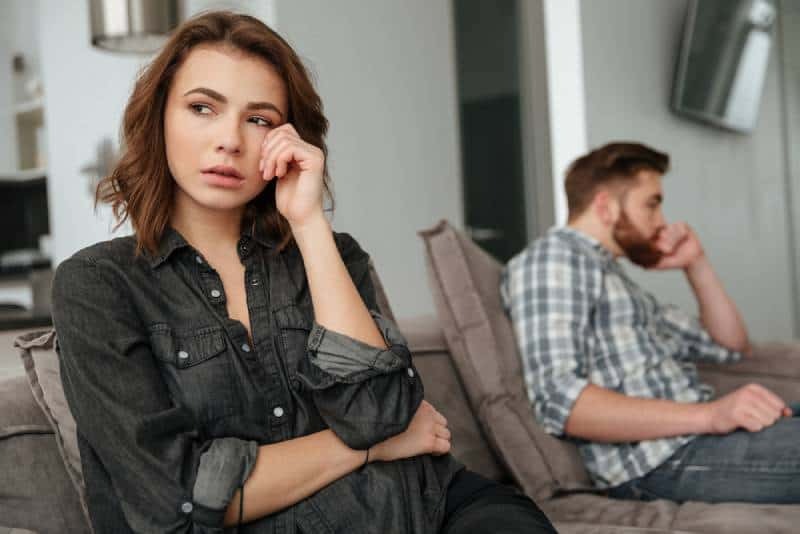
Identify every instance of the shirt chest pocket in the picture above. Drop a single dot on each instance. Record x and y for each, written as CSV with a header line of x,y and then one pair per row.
x,y
197,367
294,328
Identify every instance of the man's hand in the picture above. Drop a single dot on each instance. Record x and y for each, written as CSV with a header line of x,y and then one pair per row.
x,y
680,245
752,407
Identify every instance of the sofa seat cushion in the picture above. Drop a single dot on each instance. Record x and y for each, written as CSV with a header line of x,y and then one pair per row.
x,y
465,283
696,517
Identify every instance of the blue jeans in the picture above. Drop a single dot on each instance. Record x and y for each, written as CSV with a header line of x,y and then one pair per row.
x,y
759,467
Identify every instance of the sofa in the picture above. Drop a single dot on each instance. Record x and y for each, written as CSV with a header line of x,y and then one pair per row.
x,y
467,358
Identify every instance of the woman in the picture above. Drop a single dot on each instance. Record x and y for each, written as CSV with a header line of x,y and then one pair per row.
x,y
227,365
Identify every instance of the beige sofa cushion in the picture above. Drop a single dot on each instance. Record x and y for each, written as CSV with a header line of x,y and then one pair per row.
x,y
465,283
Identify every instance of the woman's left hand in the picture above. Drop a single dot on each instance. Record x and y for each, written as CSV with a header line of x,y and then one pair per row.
x,y
298,166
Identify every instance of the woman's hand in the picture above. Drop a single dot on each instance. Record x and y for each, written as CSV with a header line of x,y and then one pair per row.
x,y
298,166
426,434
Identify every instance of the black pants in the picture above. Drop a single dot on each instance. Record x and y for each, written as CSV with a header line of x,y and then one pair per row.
x,y
476,505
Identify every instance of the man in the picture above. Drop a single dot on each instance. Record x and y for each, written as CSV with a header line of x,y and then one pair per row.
x,y
611,368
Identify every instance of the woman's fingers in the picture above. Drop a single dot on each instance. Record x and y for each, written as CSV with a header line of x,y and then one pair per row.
x,y
439,418
442,432
271,159
440,446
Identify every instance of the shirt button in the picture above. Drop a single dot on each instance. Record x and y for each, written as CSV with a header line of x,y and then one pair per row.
x,y
187,507
254,281
278,411
410,372
245,347
215,293
182,354
198,259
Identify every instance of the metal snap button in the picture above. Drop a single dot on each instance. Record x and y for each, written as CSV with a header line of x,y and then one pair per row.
x,y
215,293
278,411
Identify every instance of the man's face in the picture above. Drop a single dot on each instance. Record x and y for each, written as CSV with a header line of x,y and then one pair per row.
x,y
641,220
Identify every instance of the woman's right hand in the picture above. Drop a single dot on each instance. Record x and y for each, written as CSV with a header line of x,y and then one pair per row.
x,y
426,434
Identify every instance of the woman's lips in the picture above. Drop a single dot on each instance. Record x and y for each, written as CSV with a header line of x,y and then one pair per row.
x,y
222,180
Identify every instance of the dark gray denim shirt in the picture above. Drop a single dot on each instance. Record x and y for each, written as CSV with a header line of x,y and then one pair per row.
x,y
172,401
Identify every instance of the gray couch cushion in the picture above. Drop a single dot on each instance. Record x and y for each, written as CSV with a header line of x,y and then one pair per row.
x,y
35,491
465,283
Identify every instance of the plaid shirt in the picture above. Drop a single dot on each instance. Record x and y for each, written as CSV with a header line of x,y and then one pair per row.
x,y
580,319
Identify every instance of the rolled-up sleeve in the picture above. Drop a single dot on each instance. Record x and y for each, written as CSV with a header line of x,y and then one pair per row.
x,y
549,293
698,343
365,394
143,448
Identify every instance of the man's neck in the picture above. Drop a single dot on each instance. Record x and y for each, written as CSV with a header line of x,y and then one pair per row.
x,y
597,232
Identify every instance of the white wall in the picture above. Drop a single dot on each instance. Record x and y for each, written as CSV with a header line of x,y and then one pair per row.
x,y
386,73
730,187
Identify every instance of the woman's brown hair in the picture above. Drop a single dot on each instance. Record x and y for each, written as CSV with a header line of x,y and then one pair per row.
x,y
140,187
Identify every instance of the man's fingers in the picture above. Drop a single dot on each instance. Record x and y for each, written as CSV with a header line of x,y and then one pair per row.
x,y
775,401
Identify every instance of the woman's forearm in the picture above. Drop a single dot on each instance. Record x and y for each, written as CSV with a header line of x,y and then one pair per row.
x,y
337,303
289,471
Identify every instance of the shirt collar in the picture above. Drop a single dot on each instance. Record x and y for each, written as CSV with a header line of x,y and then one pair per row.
x,y
584,241
172,240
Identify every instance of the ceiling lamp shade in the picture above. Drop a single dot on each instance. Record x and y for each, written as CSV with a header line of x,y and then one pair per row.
x,y
133,26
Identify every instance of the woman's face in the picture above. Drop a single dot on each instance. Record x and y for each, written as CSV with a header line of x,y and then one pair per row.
x,y
220,106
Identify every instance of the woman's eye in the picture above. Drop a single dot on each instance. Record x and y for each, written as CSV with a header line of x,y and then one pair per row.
x,y
198,108
264,122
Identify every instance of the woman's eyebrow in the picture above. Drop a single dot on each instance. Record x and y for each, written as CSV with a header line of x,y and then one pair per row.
x,y
221,98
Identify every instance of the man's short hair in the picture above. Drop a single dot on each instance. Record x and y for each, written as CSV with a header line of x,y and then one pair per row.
x,y
610,164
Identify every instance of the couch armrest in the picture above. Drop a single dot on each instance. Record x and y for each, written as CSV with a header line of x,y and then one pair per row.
x,y
773,365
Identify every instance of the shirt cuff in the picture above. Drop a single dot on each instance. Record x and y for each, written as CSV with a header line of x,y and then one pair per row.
x,y
224,467
351,360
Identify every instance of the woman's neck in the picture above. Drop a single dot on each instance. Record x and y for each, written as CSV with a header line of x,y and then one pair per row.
x,y
207,229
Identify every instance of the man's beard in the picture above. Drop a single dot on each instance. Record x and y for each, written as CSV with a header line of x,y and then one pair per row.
x,y
638,248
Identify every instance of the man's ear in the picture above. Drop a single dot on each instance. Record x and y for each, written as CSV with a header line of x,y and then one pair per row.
x,y
606,207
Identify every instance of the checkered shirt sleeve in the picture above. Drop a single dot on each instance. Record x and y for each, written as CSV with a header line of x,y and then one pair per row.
x,y
549,291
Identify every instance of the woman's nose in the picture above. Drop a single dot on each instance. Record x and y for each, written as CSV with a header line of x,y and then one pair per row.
x,y
230,138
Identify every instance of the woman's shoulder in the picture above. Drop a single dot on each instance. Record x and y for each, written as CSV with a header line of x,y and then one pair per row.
x,y
349,248
120,250
101,260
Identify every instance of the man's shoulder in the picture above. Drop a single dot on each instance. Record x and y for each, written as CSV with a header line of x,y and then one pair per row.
x,y
553,247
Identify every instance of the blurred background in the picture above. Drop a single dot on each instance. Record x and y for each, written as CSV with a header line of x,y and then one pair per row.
x,y
466,110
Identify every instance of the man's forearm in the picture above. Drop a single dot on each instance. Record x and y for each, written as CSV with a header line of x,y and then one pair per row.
x,y
718,312
606,416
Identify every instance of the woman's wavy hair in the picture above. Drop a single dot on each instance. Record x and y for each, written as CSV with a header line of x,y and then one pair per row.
x,y
141,187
